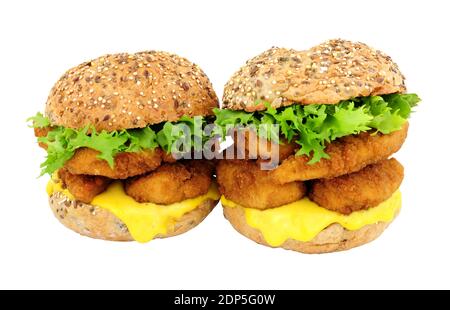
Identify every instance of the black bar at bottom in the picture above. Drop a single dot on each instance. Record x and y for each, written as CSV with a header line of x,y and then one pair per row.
x,y
213,298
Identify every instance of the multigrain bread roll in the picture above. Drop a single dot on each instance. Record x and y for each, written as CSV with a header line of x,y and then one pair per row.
x,y
99,223
331,239
333,71
120,91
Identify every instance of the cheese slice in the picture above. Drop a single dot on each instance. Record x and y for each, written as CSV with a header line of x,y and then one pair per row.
x,y
302,220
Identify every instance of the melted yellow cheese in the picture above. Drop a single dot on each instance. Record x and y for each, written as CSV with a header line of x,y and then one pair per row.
x,y
303,220
144,220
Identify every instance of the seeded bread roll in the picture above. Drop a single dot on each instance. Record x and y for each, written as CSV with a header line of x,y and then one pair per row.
x,y
326,74
124,91
331,239
95,222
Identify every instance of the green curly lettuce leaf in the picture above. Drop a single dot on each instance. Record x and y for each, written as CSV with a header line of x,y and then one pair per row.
x,y
39,121
313,126
63,142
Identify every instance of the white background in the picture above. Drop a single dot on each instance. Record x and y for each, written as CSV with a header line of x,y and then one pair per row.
x,y
41,39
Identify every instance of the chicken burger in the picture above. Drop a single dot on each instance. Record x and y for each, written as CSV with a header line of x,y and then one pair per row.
x,y
110,129
336,113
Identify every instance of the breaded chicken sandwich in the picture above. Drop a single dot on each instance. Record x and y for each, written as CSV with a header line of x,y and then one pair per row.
x,y
111,130
335,114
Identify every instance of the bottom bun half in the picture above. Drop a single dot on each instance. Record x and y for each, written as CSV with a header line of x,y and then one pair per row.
x,y
331,239
96,222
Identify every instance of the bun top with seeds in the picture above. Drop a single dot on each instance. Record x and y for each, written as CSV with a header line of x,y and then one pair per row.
x,y
329,73
123,91
336,89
